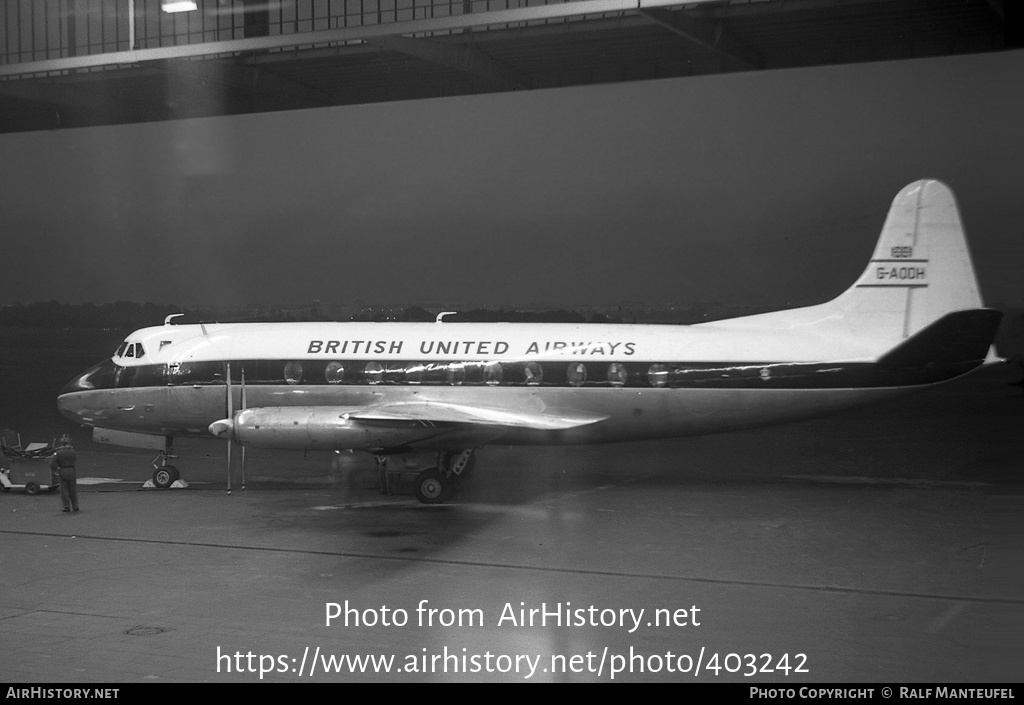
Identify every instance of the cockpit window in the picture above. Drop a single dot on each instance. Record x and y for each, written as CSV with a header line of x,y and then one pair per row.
x,y
127,349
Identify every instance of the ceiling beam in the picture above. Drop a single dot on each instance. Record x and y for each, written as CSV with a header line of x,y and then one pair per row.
x,y
250,77
81,95
707,34
364,33
457,56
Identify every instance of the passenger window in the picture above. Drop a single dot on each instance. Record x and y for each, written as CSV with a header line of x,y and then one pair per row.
x,y
456,373
492,373
414,374
576,374
617,374
293,372
534,373
334,373
374,372
657,375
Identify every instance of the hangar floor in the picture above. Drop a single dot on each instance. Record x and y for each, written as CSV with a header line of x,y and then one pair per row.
x,y
882,545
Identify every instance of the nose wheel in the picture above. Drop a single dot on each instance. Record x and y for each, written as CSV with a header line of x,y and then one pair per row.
x,y
164,475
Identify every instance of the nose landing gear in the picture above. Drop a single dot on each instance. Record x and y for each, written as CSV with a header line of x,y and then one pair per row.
x,y
165,475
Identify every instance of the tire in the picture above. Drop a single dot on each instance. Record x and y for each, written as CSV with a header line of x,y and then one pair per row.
x,y
432,487
31,488
165,476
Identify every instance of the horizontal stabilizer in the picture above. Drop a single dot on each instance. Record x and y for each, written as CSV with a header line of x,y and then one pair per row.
x,y
960,337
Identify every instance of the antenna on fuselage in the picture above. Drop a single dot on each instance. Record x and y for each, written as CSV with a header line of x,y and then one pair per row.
x,y
167,321
440,316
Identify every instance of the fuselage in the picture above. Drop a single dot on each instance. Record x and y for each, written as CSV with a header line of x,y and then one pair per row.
x,y
643,381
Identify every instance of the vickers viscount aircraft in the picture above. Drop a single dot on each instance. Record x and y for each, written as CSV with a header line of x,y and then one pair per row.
x,y
914,318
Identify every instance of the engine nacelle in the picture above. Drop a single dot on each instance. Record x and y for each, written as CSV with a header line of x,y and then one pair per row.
x,y
319,428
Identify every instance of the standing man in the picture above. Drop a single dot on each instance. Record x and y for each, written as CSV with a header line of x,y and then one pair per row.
x,y
63,463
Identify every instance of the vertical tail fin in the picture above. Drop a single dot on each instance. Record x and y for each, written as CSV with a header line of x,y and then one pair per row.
x,y
921,269
918,299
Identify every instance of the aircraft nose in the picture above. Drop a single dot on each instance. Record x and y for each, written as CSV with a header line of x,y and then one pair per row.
x,y
78,384
96,377
71,402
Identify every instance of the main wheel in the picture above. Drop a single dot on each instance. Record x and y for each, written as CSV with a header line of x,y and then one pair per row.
x,y
432,486
165,476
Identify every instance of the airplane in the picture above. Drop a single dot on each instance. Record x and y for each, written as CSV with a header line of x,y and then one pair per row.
x,y
912,320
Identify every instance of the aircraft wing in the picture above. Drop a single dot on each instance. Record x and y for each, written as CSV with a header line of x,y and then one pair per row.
x,y
389,424
443,412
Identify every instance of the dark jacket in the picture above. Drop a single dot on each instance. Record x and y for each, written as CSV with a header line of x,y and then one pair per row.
x,y
63,458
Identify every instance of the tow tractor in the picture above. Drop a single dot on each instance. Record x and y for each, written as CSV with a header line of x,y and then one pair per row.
x,y
27,467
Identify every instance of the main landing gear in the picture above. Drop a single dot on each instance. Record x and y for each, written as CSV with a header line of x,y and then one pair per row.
x,y
435,484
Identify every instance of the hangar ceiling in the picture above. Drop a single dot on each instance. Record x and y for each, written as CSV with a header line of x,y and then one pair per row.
x,y
73,63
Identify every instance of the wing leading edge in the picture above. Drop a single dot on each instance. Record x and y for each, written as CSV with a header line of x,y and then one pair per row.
x,y
386,425
442,412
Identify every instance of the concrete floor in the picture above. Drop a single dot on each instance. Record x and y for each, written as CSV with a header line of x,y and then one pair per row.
x,y
882,546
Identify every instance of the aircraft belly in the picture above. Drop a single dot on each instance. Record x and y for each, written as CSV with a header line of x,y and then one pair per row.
x,y
631,413
669,413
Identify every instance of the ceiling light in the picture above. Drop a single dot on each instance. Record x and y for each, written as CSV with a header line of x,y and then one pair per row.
x,y
177,6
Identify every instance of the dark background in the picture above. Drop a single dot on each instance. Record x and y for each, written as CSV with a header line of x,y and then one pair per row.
x,y
764,189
